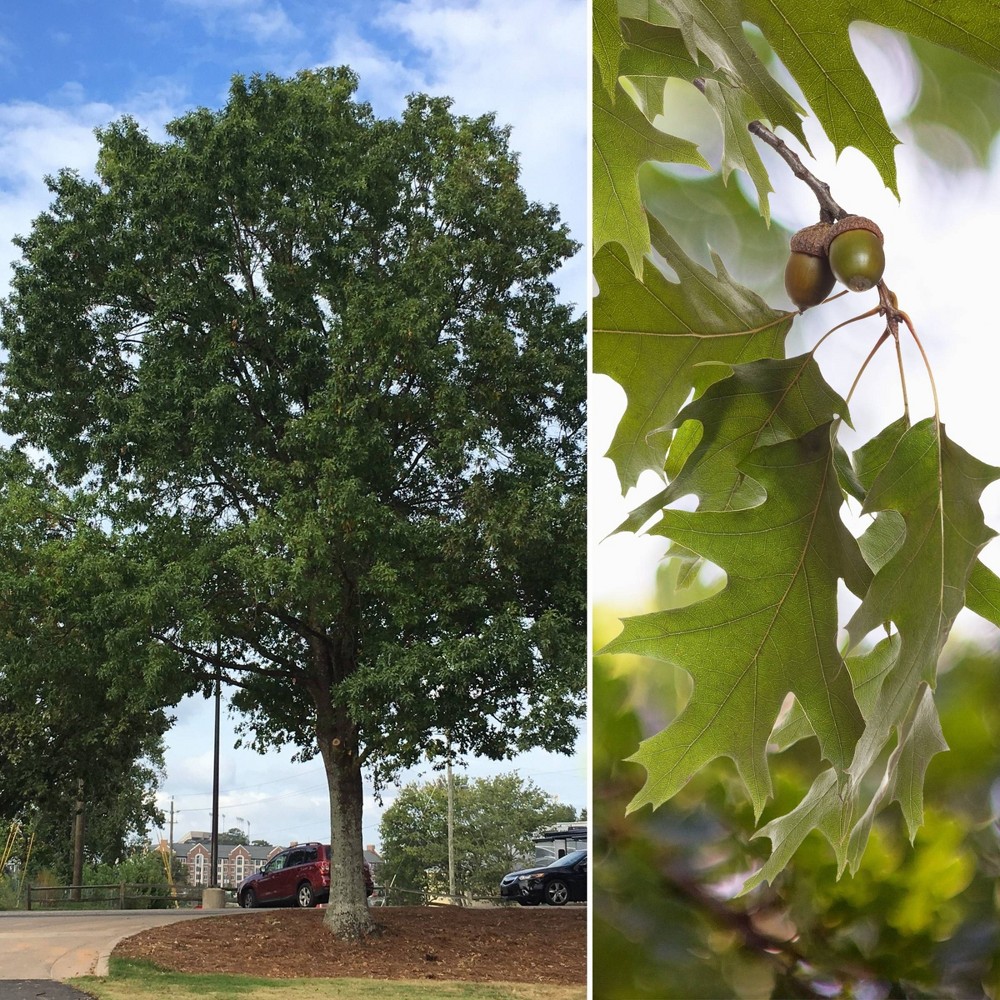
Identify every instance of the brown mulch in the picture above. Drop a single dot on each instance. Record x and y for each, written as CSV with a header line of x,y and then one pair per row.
x,y
527,945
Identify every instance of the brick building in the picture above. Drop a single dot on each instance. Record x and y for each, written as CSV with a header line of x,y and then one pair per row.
x,y
236,861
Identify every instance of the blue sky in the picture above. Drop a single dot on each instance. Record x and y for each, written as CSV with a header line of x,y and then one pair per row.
x,y
67,67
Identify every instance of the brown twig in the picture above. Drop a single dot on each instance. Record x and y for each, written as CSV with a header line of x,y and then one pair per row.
x,y
829,210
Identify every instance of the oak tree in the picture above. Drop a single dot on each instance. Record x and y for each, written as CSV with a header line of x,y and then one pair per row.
x,y
313,367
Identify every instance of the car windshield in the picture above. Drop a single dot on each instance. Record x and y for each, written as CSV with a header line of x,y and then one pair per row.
x,y
568,860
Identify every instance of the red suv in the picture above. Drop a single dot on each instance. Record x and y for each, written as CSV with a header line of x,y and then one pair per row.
x,y
298,876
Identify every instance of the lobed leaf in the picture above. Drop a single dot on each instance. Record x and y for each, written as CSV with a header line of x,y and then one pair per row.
x,y
653,55
818,810
934,486
776,621
760,403
812,41
920,738
654,336
923,548
623,139
736,110
715,27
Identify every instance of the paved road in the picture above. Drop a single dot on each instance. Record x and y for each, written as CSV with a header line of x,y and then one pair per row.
x,y
38,989
40,945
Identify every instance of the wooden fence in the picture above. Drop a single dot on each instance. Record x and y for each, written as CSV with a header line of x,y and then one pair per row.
x,y
113,896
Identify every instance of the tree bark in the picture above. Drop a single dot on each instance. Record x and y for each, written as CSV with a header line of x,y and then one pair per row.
x,y
79,827
347,915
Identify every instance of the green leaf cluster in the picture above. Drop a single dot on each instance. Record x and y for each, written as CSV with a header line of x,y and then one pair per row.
x,y
746,440
640,45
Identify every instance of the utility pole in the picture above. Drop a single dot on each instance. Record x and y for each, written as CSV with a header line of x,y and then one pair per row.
x,y
171,827
451,825
214,883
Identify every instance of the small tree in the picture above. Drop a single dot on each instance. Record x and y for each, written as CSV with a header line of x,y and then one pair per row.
x,y
312,365
494,819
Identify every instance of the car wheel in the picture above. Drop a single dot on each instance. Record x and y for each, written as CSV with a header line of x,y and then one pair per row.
x,y
556,892
305,896
248,899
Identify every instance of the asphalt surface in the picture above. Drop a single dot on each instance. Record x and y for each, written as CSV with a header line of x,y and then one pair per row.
x,y
32,989
38,947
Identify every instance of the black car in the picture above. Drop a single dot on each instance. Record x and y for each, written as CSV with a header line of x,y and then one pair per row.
x,y
562,881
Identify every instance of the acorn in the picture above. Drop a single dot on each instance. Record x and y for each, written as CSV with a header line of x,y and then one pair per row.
x,y
808,278
854,249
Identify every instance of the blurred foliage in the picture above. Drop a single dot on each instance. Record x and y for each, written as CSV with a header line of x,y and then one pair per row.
x,y
956,115
142,867
704,211
917,920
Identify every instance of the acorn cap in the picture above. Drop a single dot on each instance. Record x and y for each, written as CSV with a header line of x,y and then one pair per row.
x,y
849,222
812,240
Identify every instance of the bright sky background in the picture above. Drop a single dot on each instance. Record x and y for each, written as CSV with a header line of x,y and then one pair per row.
x,y
941,262
67,67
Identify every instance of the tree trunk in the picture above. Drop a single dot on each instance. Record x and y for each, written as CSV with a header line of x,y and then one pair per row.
x,y
333,660
347,916
79,826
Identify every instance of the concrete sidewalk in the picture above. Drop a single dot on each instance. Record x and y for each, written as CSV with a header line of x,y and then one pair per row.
x,y
40,945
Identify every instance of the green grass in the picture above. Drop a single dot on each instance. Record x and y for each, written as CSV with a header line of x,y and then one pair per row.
x,y
130,979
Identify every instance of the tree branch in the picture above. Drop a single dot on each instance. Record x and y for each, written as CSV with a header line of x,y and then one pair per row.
x,y
221,662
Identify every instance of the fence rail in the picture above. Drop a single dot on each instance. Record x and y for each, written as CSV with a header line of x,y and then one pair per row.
x,y
112,896
395,896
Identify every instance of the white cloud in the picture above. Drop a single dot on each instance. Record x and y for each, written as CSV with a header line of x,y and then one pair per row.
x,y
525,60
385,81
40,139
261,21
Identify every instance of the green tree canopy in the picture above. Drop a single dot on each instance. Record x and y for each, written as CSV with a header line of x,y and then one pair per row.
x,y
81,694
494,819
312,367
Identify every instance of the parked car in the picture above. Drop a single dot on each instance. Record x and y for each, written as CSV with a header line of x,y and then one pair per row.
x,y
556,883
298,876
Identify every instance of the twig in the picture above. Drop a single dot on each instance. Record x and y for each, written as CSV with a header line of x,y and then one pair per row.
x,y
829,210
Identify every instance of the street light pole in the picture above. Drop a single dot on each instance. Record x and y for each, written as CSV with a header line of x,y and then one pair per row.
x,y
451,826
214,883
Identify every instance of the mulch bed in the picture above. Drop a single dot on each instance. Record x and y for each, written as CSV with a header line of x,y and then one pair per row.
x,y
526,945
